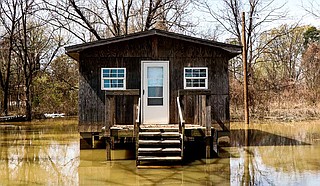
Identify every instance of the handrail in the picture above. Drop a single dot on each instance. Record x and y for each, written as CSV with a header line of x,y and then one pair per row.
x,y
179,109
138,111
181,126
136,128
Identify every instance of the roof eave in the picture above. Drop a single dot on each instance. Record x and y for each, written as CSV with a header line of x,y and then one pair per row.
x,y
71,50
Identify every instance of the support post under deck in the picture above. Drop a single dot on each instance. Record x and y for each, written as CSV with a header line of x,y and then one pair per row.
x,y
208,135
108,148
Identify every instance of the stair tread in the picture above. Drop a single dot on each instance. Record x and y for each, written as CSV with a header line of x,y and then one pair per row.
x,y
159,133
159,150
159,129
159,158
159,141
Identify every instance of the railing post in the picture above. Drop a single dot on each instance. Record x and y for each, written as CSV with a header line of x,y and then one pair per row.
x,y
110,119
208,132
135,114
181,126
137,121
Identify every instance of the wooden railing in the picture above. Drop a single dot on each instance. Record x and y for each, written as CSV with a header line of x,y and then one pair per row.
x,y
202,112
137,122
181,126
138,111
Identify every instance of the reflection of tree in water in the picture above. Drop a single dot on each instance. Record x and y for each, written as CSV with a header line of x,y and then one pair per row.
x,y
39,157
261,138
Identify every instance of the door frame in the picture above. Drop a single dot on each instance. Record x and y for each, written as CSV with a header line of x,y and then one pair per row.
x,y
144,92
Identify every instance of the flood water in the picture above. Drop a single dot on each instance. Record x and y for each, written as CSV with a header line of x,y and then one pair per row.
x,y
48,153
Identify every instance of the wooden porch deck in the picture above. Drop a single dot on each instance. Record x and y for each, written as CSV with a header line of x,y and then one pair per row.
x,y
191,130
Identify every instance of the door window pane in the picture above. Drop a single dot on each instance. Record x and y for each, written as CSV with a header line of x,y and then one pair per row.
x,y
155,101
155,85
155,92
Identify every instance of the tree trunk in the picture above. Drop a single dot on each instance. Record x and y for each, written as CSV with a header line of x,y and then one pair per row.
x,y
28,104
5,101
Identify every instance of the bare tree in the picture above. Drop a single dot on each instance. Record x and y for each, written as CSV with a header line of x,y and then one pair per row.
x,y
259,13
312,7
104,18
9,18
119,17
280,60
311,65
35,47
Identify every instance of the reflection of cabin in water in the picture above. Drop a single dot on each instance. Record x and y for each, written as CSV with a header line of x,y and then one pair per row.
x,y
156,89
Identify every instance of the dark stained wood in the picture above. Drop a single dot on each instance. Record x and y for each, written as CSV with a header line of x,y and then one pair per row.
x,y
197,108
108,148
208,121
203,110
208,146
128,92
194,92
154,47
110,106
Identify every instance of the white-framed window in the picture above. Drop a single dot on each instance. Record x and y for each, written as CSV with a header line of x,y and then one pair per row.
x,y
195,78
113,78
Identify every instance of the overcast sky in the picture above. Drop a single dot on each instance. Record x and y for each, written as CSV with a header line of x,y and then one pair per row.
x,y
297,13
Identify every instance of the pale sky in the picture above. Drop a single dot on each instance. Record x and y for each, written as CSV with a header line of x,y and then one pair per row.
x,y
297,13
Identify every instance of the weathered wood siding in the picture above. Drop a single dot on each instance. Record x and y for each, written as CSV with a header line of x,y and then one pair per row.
x,y
129,54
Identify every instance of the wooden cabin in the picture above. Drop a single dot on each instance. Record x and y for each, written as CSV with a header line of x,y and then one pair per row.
x,y
156,88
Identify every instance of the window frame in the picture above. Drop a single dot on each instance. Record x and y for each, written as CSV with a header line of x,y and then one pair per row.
x,y
193,68
113,78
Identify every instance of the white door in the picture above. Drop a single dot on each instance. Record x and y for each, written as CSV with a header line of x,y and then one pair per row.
x,y
155,92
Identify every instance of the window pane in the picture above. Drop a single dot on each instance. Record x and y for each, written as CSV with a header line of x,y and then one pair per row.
x,y
196,73
105,73
155,101
189,83
155,82
106,83
155,72
188,73
155,76
202,83
203,73
155,91
121,71
196,83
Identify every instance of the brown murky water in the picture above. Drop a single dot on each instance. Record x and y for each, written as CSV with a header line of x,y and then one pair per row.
x,y
47,153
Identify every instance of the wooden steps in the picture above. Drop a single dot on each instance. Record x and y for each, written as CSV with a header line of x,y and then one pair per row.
x,y
158,146
151,158
158,142
174,134
159,150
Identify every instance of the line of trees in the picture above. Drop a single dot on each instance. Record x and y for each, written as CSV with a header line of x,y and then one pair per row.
x,y
36,77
